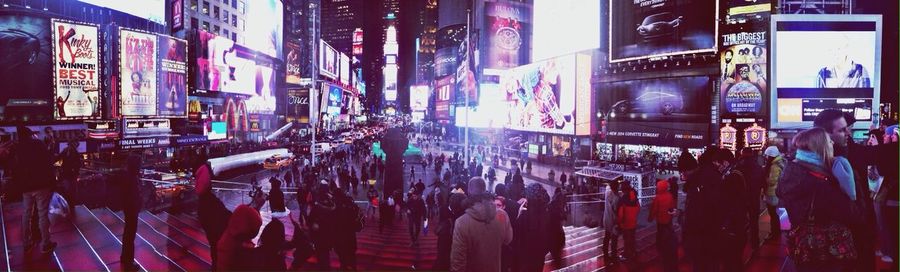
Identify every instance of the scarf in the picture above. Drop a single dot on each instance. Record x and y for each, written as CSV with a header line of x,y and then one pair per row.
x,y
810,157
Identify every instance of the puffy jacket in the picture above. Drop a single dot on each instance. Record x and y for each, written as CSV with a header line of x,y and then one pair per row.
x,y
31,167
801,182
628,211
662,203
776,166
236,243
478,237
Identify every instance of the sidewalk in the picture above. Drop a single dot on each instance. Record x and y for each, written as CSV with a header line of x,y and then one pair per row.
x,y
539,171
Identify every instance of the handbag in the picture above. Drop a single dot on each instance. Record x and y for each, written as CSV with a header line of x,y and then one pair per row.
x,y
811,242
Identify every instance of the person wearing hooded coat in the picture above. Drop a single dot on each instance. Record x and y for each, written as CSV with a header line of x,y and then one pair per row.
x,y
557,211
479,234
211,212
610,218
533,229
269,256
662,210
237,241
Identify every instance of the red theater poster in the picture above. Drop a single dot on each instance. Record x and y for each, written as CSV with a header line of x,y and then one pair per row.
x,y
76,71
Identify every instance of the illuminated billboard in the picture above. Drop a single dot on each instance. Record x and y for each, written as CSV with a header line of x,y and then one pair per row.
x,y
298,104
744,65
292,63
642,29
265,25
137,73
491,111
664,112
443,90
345,69
26,70
825,62
508,26
171,96
418,97
76,70
565,26
542,95
153,10
223,66
328,60
334,100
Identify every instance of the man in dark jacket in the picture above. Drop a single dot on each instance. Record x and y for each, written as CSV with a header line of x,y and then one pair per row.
x,y
415,208
71,167
752,172
32,176
211,212
838,125
480,233
686,163
704,191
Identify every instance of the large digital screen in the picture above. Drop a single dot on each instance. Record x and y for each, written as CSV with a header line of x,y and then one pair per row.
x,y
565,26
137,70
491,111
821,62
744,65
328,60
665,112
542,95
25,68
217,131
223,66
443,89
418,97
76,70
264,26
153,10
653,28
335,99
508,27
172,91
298,104
345,69
390,82
292,63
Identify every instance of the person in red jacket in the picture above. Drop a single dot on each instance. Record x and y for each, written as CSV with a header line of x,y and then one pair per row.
x,y
628,211
662,210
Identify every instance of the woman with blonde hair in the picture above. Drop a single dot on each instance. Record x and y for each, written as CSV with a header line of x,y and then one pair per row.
x,y
821,214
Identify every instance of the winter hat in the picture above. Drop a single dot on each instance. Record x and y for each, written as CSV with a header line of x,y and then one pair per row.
x,y
535,193
476,186
772,151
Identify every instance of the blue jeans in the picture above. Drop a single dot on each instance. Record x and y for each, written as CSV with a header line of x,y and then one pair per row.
x,y
40,200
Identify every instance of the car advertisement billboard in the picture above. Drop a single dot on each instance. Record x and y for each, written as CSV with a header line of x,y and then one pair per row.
x,y
153,10
265,18
328,60
542,95
508,30
418,97
292,63
821,62
744,66
642,29
664,112
298,104
443,93
26,70
172,90
137,71
76,70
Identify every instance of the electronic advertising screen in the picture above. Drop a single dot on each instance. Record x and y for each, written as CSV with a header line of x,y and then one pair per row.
x,y
465,77
643,29
508,30
542,95
491,111
153,10
217,131
335,99
27,68
137,73
825,62
418,97
328,60
292,63
265,18
263,101
565,26
345,69
223,66
663,112
443,90
747,8
346,102
171,93
744,83
76,70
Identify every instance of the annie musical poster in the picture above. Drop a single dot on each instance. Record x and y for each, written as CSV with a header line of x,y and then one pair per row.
x,y
137,70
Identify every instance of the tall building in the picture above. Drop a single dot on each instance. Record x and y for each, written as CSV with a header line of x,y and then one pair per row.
x,y
339,19
226,18
426,43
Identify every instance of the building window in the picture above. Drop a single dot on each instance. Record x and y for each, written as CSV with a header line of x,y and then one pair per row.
x,y
194,5
225,33
216,29
225,16
242,7
206,26
241,25
234,20
205,8
233,37
194,23
216,12
225,1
